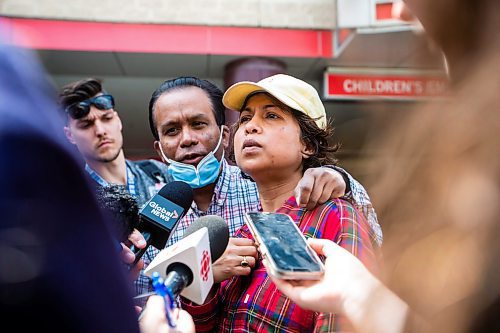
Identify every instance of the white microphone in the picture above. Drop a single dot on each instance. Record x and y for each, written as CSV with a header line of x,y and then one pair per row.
x,y
186,266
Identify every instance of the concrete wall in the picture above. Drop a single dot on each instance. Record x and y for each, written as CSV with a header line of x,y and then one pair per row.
x,y
307,14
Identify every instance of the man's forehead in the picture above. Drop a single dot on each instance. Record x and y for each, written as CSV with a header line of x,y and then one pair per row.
x,y
185,97
189,117
93,115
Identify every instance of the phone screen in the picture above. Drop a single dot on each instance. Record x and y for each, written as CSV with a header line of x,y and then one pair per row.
x,y
285,243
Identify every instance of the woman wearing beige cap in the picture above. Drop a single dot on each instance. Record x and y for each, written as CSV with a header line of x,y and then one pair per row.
x,y
281,132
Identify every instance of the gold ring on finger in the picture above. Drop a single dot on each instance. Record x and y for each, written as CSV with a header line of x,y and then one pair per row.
x,y
244,262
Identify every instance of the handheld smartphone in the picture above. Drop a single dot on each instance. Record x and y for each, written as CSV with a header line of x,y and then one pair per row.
x,y
284,247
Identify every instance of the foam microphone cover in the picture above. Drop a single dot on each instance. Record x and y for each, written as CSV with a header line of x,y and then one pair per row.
x,y
122,208
218,233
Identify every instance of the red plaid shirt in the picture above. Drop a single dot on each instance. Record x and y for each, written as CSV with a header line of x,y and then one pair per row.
x,y
254,304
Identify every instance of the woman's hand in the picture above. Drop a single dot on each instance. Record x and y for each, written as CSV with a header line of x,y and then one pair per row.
x,y
237,252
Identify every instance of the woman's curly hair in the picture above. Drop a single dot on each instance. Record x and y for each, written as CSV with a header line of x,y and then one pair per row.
x,y
316,140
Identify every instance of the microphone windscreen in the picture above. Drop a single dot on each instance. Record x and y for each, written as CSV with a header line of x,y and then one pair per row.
x,y
218,233
122,207
179,193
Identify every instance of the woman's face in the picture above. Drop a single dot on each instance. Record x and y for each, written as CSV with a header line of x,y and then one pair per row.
x,y
268,142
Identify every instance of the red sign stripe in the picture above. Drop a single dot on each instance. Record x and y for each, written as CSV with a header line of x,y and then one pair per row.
x,y
161,38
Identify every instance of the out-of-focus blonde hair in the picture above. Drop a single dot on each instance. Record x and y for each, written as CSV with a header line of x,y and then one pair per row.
x,y
437,191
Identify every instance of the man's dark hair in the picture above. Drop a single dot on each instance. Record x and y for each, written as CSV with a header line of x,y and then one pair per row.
x,y
213,92
79,91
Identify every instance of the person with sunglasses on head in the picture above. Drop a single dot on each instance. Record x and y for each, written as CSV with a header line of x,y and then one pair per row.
x,y
95,128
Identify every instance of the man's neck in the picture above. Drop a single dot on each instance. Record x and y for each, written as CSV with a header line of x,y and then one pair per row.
x,y
203,196
114,172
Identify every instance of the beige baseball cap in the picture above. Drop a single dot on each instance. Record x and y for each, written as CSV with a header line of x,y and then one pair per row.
x,y
291,91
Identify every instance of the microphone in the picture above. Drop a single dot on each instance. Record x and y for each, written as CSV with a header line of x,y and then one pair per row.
x,y
161,214
186,266
122,207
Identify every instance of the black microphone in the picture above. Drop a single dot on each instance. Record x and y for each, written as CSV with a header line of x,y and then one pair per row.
x,y
218,233
122,208
186,265
161,214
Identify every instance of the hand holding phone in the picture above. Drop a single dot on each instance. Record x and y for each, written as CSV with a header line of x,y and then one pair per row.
x,y
284,247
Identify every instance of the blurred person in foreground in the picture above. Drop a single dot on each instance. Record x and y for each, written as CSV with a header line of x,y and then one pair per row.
x,y
282,131
59,267
439,199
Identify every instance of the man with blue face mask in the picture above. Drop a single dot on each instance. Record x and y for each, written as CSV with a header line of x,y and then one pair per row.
x,y
186,117
201,175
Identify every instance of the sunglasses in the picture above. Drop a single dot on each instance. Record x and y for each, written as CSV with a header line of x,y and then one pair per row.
x,y
81,109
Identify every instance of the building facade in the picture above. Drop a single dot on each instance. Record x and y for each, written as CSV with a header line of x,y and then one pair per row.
x,y
361,60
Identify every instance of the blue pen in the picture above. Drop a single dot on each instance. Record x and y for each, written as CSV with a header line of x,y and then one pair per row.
x,y
161,289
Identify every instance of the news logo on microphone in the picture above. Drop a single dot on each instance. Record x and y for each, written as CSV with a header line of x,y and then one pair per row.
x,y
186,266
192,251
162,211
205,265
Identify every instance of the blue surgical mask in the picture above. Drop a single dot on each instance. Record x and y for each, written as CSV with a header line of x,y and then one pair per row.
x,y
205,173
